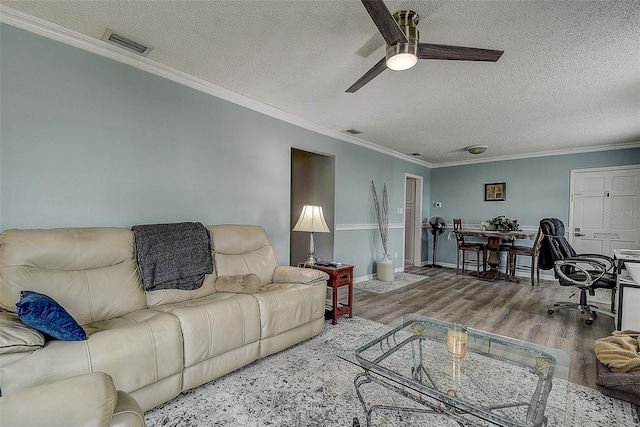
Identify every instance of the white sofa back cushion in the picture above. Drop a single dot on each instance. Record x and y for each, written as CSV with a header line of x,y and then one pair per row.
x,y
242,249
172,296
91,272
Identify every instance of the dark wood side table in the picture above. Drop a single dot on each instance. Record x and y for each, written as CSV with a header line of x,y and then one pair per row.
x,y
338,277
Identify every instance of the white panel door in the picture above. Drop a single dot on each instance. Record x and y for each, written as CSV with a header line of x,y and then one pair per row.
x,y
605,206
409,221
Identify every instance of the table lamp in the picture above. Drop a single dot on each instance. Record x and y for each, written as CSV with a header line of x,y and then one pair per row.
x,y
311,220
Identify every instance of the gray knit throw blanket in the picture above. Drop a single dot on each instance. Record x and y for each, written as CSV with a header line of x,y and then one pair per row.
x,y
173,256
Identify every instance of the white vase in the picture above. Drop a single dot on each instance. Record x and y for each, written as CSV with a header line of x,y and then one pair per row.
x,y
385,269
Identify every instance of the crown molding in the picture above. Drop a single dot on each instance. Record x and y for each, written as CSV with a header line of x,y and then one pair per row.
x,y
59,33
608,147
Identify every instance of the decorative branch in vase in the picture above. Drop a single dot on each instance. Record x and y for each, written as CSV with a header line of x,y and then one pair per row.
x,y
385,267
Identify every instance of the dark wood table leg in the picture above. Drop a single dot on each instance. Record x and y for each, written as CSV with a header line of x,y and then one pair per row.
x,y
335,305
493,245
351,298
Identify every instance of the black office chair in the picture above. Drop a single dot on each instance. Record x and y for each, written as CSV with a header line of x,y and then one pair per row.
x,y
587,272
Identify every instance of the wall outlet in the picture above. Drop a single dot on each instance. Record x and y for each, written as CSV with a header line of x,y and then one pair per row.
x,y
504,257
396,254
400,211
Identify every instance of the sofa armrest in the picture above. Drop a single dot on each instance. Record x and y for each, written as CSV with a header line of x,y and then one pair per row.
x,y
16,337
305,276
128,412
83,400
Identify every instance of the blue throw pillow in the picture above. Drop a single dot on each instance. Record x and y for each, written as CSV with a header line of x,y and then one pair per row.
x,y
44,314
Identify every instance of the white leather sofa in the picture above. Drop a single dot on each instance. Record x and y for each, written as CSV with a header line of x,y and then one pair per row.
x,y
153,344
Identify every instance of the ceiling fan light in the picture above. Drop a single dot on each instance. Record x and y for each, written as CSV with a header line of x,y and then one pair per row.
x,y
401,61
402,56
476,149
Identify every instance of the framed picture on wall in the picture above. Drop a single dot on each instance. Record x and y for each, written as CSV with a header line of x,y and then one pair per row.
x,y
495,192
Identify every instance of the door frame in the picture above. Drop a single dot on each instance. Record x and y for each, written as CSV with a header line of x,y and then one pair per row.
x,y
417,241
316,185
572,190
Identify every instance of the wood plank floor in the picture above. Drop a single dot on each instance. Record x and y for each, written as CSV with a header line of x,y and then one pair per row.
x,y
512,309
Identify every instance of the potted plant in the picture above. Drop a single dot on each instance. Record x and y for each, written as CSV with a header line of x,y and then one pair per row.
x,y
385,267
502,223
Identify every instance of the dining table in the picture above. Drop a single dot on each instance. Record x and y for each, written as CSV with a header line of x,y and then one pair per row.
x,y
494,240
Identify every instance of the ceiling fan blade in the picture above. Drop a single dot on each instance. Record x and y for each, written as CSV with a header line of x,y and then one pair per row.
x,y
369,75
457,53
374,43
387,26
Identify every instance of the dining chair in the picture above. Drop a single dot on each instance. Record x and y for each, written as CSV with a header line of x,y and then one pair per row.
x,y
514,251
463,247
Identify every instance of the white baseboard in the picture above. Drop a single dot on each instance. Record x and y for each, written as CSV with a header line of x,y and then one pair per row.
x,y
543,275
373,276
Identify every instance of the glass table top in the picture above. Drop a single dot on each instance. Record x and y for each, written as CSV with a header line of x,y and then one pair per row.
x,y
501,380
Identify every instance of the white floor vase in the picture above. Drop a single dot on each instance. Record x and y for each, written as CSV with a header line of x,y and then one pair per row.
x,y
385,269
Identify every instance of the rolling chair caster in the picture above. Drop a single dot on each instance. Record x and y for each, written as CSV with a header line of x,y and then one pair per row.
x,y
590,314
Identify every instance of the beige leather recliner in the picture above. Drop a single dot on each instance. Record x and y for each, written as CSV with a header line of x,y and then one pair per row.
x,y
84,400
93,274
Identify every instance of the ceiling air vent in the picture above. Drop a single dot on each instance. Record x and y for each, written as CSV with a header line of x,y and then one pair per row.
x,y
122,41
353,131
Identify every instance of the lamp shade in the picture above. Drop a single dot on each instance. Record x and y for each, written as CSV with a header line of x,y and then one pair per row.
x,y
312,220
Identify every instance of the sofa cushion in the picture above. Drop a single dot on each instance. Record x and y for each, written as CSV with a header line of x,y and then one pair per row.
x,y
136,350
44,314
241,283
16,337
285,306
91,272
215,324
242,249
172,296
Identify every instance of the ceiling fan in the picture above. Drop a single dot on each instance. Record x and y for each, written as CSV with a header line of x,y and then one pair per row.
x,y
403,48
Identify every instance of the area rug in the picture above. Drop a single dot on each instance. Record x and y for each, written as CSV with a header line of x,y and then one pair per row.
x,y
308,385
380,287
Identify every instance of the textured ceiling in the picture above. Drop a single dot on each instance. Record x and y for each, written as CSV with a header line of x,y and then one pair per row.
x,y
569,78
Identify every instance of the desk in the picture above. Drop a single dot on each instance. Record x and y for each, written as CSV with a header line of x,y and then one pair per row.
x,y
628,291
494,240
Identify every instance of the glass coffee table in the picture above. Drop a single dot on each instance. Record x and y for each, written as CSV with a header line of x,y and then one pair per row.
x,y
500,381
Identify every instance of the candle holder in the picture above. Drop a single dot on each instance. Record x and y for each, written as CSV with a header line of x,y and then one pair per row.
x,y
456,368
457,340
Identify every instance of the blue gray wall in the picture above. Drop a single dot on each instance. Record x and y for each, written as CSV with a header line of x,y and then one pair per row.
x,y
88,141
536,188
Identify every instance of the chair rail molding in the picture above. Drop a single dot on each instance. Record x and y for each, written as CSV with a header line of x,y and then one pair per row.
x,y
355,227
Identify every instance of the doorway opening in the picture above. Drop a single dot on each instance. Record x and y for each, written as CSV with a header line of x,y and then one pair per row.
x,y
413,221
312,183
